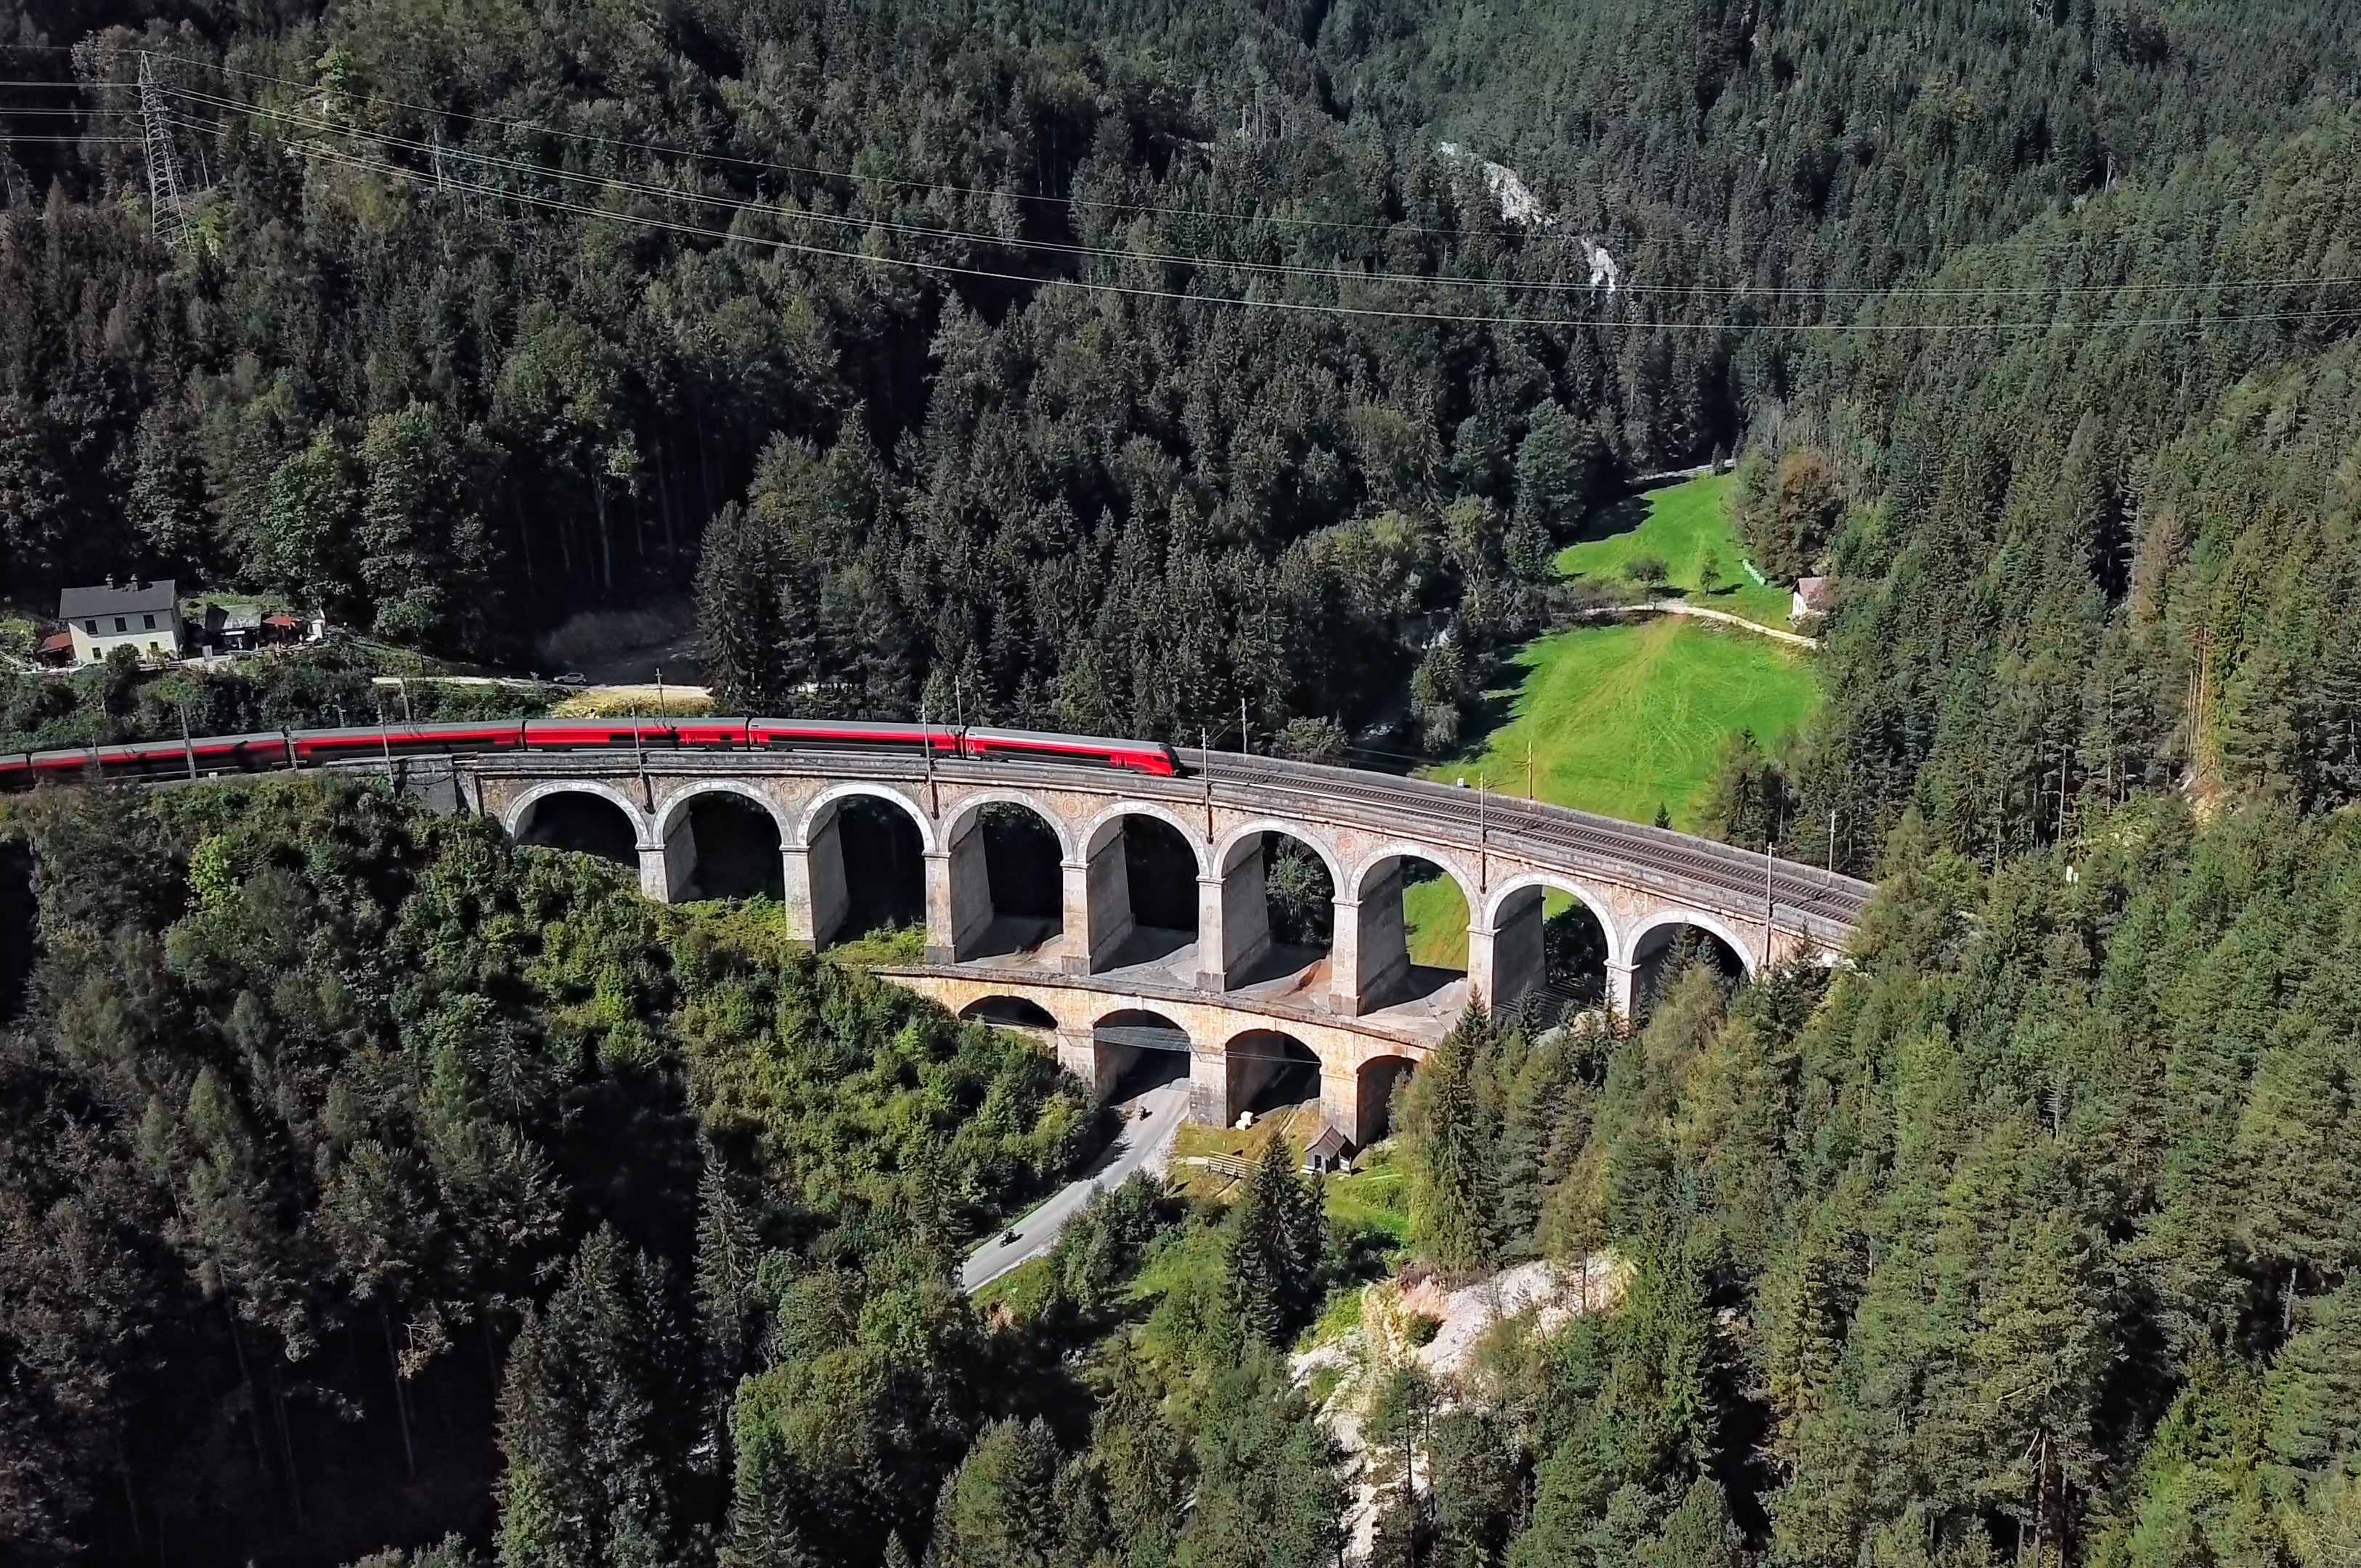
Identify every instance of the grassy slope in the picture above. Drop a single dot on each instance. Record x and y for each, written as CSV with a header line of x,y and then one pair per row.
x,y
1621,718
1684,526
1624,718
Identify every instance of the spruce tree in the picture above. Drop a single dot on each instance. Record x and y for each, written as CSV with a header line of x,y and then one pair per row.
x,y
1449,1141
999,1508
739,627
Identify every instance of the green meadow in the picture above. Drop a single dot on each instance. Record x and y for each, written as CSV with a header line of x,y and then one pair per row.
x,y
1686,527
1624,718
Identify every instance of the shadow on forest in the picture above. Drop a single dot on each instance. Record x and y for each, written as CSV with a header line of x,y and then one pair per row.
x,y
1610,520
19,922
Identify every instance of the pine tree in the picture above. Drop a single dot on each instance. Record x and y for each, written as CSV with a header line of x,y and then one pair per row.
x,y
1451,1152
1698,1534
589,1413
1257,1274
728,1252
999,1508
2299,1148
739,629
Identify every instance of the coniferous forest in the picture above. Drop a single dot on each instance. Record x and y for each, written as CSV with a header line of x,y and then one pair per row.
x,y
372,1189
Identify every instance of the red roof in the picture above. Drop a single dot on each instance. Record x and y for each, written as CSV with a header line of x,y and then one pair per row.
x,y
281,618
57,642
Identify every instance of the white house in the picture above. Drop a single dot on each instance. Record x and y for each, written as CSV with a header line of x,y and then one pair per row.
x,y
144,616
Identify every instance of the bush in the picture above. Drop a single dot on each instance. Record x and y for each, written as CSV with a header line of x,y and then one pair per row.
x,y
1648,571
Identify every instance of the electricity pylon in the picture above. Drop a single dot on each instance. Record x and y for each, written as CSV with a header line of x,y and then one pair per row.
x,y
167,215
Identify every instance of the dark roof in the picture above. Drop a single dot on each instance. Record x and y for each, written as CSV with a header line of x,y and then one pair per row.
x,y
81,603
1328,1145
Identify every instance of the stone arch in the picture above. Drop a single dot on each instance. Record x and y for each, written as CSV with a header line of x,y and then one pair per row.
x,y
1237,839
1651,939
1371,965
520,811
1009,1013
1260,1062
838,901
1135,1048
1710,923
1007,898
1590,897
1116,931
586,817
1374,1079
676,806
969,805
1518,943
1372,863
728,860
1250,946
837,794
1096,833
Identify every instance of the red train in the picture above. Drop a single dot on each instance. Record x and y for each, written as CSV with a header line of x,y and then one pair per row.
x,y
216,754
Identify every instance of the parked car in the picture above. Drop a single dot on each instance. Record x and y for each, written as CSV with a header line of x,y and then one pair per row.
x,y
571,678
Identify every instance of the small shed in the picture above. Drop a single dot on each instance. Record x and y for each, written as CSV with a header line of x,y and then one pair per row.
x,y
57,649
1812,598
1330,1151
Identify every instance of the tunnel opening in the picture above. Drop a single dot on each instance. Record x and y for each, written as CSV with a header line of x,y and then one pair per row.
x,y
1136,1051
585,823
1270,1071
1549,956
1009,888
1412,934
1663,955
1278,910
1008,1013
733,849
1143,894
868,870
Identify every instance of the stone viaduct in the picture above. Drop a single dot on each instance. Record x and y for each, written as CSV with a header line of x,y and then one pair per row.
x,y
1149,924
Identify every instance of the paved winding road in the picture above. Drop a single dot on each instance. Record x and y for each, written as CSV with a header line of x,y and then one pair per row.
x,y
1139,1142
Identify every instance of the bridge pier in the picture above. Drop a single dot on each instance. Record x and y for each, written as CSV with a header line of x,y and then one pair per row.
x,y
811,878
1106,913
1620,987
1080,1053
1209,1084
1510,957
1074,944
1340,1100
655,873
1368,950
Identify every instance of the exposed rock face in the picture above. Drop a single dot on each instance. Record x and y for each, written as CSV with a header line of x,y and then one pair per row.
x,y
1396,1317
1520,205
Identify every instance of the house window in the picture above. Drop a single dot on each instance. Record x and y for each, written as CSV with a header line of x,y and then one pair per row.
x,y
91,627
119,625
150,621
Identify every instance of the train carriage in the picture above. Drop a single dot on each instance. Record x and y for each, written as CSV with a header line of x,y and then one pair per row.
x,y
848,735
1036,745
